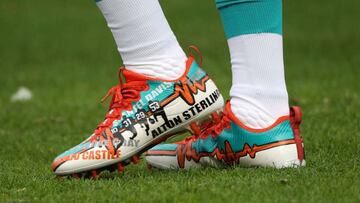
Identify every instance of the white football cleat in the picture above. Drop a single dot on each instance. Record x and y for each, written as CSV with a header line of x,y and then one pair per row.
x,y
143,112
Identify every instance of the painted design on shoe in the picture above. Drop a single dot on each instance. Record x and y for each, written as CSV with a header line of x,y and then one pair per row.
x,y
142,112
227,140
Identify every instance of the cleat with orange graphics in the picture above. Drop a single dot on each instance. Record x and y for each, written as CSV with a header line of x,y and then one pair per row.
x,y
143,112
227,141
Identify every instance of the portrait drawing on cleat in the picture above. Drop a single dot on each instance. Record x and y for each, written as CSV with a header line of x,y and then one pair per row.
x,y
128,123
143,120
118,139
157,110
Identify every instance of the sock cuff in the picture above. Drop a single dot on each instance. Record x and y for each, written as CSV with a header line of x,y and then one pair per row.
x,y
241,17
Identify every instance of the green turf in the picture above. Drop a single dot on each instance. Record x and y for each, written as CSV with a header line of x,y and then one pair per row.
x,y
63,52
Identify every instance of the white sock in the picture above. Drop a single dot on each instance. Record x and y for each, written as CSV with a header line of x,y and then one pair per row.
x,y
258,92
144,38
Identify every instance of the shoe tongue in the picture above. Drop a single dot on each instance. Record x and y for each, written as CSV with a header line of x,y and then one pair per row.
x,y
132,76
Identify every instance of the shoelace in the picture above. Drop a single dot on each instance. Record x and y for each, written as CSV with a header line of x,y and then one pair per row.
x,y
216,129
122,96
213,128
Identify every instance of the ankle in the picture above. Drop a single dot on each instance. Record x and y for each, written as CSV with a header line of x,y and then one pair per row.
x,y
255,115
166,67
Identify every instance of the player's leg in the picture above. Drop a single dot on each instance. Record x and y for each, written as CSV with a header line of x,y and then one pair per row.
x,y
148,48
256,128
254,32
144,38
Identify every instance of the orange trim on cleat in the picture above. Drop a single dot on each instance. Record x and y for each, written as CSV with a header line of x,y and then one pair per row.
x,y
295,120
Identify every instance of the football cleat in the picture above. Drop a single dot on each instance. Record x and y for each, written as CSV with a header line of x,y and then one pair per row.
x,y
227,141
143,112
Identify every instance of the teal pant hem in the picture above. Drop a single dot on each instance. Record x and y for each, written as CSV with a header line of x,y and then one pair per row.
x,y
241,17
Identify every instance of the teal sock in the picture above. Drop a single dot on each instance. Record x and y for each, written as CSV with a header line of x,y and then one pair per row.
x,y
241,17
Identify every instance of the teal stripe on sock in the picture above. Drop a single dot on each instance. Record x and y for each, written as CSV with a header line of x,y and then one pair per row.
x,y
240,17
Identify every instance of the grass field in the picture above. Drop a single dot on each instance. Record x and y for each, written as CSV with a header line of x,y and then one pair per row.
x,y
63,52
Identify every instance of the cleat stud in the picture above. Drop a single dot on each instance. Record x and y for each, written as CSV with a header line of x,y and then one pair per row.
x,y
120,167
94,174
135,159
